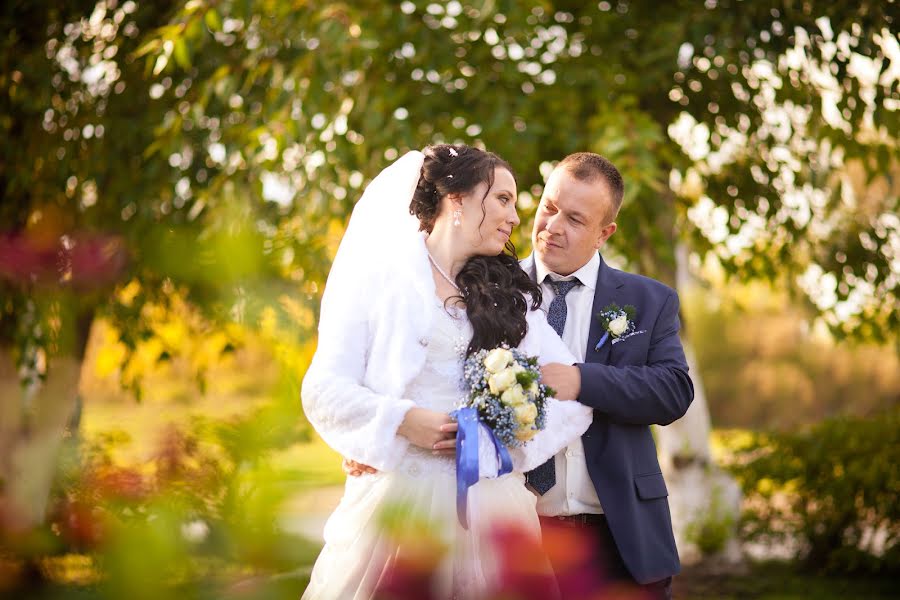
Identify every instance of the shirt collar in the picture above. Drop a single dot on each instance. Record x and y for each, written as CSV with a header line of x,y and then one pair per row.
x,y
587,274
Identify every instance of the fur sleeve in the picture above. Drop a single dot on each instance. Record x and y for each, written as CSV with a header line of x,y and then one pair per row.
x,y
352,418
565,421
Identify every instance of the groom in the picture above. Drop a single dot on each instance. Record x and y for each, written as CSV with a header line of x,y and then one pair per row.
x,y
632,372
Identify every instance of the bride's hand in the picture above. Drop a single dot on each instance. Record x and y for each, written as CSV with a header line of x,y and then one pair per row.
x,y
427,428
447,447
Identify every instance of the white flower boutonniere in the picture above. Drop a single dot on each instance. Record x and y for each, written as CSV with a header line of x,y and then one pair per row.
x,y
616,322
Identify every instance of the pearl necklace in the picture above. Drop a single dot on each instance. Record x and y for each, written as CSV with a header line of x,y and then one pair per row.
x,y
442,273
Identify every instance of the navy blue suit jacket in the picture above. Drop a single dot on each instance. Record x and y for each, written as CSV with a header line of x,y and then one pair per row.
x,y
637,382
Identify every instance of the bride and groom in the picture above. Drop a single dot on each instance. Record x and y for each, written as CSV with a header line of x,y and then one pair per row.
x,y
425,276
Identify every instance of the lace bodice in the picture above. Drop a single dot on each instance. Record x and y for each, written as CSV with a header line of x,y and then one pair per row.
x,y
439,386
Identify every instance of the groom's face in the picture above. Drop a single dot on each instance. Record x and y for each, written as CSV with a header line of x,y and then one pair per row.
x,y
572,222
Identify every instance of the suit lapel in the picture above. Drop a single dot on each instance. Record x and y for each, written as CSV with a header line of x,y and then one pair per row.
x,y
607,292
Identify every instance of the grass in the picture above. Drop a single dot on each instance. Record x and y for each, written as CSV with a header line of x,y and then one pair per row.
x,y
764,581
172,399
250,587
780,581
314,463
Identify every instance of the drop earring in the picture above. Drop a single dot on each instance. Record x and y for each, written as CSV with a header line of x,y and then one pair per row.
x,y
456,214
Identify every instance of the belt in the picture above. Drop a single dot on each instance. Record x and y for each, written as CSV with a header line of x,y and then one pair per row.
x,y
576,520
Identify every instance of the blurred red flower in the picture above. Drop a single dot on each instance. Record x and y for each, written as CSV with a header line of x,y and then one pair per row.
x,y
83,261
81,525
120,483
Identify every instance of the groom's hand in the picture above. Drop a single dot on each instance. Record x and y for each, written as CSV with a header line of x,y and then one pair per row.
x,y
564,379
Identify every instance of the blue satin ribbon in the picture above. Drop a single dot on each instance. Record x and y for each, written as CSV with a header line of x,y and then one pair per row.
x,y
467,471
602,341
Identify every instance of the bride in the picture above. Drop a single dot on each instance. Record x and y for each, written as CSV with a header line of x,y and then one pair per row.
x,y
424,276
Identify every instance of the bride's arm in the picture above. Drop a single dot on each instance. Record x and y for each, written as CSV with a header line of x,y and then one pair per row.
x,y
357,421
565,421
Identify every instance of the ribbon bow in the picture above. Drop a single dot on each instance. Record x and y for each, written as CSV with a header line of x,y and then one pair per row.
x,y
467,471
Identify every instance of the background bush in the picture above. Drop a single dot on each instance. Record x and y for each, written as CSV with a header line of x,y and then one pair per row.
x,y
833,488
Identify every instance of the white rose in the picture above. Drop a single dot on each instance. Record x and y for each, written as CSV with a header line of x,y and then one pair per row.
x,y
513,395
533,389
526,413
499,382
497,359
525,435
618,325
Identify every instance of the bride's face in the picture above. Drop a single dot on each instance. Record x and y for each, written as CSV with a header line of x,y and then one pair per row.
x,y
488,215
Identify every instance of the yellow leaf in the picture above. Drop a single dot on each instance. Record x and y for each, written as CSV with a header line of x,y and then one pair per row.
x,y
128,293
212,20
173,334
182,56
109,359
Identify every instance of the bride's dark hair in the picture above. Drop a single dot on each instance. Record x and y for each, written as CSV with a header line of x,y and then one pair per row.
x,y
494,289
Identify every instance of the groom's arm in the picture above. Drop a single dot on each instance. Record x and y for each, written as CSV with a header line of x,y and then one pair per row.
x,y
658,392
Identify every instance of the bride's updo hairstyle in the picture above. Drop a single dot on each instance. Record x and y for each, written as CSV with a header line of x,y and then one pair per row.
x,y
494,288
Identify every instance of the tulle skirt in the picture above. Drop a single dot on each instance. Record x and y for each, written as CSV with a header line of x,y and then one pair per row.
x,y
399,534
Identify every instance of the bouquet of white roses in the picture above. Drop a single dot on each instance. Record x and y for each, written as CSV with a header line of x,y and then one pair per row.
x,y
505,388
506,397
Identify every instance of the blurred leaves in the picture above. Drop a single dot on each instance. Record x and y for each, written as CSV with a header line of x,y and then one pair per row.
x,y
222,141
221,145
203,507
304,96
764,367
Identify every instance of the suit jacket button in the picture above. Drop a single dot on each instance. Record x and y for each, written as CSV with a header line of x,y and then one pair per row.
x,y
423,341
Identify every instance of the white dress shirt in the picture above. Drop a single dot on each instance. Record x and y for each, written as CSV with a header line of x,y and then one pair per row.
x,y
574,491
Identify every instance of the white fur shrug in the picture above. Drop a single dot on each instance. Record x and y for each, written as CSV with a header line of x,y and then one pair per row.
x,y
372,332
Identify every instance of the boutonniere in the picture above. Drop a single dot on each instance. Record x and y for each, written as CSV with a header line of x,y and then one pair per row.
x,y
616,322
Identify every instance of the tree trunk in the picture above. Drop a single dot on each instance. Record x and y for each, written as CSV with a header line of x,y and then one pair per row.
x,y
33,425
705,501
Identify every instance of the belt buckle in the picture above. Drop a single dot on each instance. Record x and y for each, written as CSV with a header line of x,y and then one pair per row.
x,y
579,519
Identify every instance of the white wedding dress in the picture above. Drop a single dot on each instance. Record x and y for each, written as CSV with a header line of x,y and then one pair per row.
x,y
410,512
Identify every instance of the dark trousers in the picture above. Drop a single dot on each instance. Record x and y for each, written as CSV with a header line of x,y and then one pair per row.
x,y
599,571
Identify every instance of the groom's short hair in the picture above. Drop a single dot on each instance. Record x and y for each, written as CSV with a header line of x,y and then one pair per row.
x,y
589,167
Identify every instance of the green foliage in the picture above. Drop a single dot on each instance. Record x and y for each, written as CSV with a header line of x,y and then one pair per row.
x,y
205,505
526,378
712,529
216,147
223,143
833,488
83,126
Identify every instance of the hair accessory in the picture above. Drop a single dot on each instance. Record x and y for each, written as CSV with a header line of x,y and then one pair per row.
x,y
449,176
456,214
453,152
